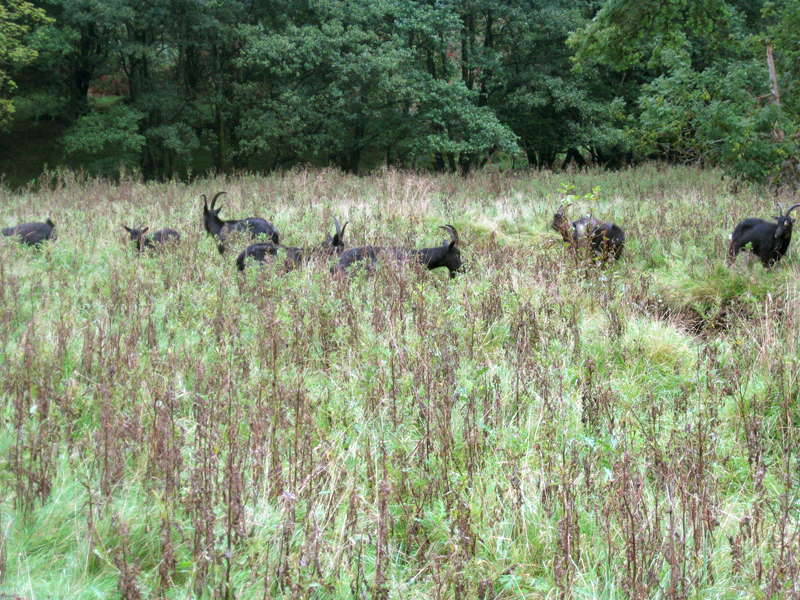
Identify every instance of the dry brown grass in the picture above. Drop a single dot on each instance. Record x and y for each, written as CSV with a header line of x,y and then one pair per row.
x,y
536,427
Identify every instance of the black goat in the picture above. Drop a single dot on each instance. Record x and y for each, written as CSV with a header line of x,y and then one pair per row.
x,y
447,255
605,239
220,229
149,242
769,241
259,252
32,234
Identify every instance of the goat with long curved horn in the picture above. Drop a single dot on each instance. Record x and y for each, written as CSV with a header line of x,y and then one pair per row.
x,y
769,241
251,227
447,255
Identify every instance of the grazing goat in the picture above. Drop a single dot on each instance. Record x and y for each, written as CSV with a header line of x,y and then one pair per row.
x,y
148,242
32,234
259,252
447,255
769,241
220,229
605,239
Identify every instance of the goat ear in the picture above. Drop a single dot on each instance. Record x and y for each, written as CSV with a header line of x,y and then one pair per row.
x,y
143,230
126,228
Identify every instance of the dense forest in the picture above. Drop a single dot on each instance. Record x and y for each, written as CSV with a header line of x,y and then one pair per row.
x,y
171,88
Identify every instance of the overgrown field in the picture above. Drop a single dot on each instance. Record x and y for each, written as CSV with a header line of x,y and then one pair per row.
x,y
537,427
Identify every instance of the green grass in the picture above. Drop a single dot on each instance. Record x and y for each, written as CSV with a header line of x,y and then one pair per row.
x,y
536,427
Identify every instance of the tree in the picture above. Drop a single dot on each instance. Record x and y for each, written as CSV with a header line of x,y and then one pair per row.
x,y
782,21
535,89
17,19
452,46
708,97
625,33
354,83
169,63
73,49
166,86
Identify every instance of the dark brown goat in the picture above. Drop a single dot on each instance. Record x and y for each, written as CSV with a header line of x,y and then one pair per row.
x,y
605,239
251,227
149,242
32,234
332,246
447,255
769,241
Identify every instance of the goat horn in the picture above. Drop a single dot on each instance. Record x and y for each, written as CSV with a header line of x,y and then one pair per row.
x,y
791,209
780,209
452,231
214,199
338,228
205,200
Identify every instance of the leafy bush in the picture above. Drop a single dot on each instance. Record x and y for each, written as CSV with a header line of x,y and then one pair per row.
x,y
721,116
109,137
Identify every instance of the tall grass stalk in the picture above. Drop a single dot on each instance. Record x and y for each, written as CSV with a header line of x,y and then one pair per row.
x,y
537,427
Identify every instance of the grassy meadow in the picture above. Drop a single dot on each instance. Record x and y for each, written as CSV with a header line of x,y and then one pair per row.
x,y
536,427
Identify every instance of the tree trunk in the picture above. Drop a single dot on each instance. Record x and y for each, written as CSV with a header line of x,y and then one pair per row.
x,y
573,155
83,67
778,133
773,76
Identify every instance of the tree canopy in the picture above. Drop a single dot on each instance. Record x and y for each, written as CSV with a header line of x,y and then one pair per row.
x,y
17,19
169,87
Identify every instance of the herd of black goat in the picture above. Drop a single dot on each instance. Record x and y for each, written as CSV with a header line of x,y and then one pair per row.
x,y
767,240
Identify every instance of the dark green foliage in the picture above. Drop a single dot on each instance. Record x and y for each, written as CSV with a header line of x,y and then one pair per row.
x,y
715,116
17,19
626,32
368,84
170,88
707,95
